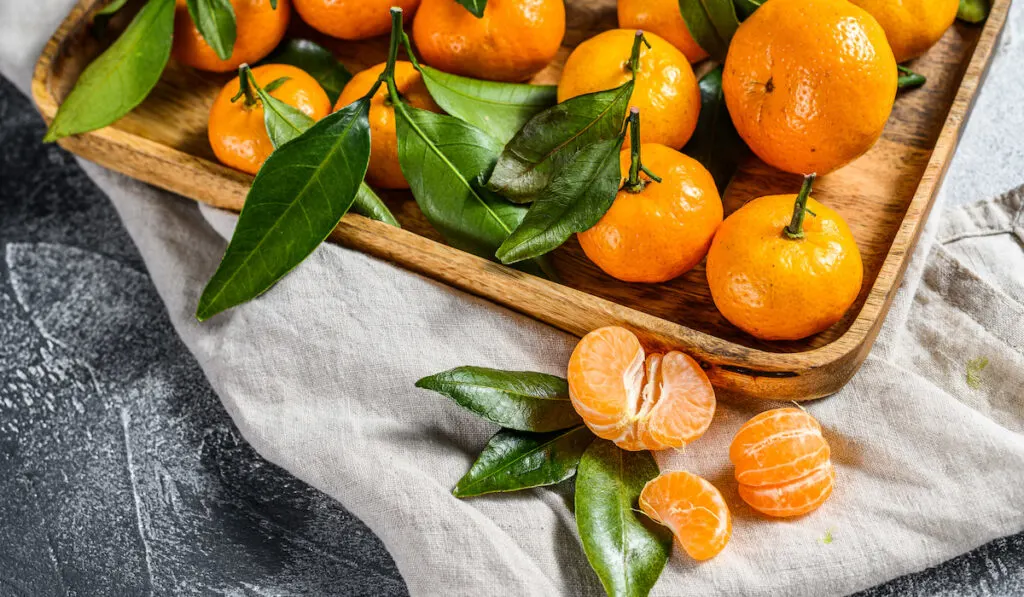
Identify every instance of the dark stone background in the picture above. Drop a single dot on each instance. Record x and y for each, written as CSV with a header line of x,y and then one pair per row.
x,y
120,471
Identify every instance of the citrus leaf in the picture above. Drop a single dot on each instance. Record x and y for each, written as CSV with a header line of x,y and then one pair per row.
x,y
296,200
474,6
121,77
215,21
908,79
111,8
715,142
745,8
627,551
552,137
712,24
498,109
514,460
370,205
973,11
579,194
520,400
443,159
317,61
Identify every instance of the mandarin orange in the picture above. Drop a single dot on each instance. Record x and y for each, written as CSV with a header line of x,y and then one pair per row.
x,y
512,41
259,29
782,463
666,90
638,401
692,508
779,274
352,19
236,129
384,170
912,26
809,84
663,18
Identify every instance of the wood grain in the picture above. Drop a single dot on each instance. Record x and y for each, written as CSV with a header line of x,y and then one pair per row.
x,y
885,196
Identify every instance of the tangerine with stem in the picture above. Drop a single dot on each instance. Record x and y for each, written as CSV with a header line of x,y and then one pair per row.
x,y
659,227
638,401
779,275
782,463
260,27
663,18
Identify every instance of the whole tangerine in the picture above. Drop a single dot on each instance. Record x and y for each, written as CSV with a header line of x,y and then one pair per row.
x,y
663,18
352,19
656,230
384,171
912,26
512,41
665,91
236,129
259,27
638,401
809,84
692,508
780,275
782,463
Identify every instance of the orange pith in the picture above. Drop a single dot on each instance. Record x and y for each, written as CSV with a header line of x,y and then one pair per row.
x,y
662,231
809,84
384,171
259,29
663,18
513,40
693,508
638,401
353,19
666,90
238,134
782,463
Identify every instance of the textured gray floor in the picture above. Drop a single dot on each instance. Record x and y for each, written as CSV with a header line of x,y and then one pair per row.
x,y
120,472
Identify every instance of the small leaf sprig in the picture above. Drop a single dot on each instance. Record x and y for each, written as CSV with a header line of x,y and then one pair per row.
x,y
543,442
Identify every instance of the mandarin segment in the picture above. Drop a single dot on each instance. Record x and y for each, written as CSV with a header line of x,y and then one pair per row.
x,y
638,401
692,508
782,463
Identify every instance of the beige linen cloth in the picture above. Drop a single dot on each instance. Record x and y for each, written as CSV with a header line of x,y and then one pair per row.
x,y
318,375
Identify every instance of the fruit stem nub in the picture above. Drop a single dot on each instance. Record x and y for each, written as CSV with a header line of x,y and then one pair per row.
x,y
634,184
795,229
634,56
388,75
245,83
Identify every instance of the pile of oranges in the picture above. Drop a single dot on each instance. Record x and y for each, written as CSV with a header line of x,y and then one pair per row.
x,y
809,85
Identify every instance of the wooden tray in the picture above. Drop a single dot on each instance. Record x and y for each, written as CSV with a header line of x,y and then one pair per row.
x,y
885,196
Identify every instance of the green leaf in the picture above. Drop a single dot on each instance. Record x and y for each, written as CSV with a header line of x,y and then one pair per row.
x,y
579,194
317,61
296,200
552,137
520,400
745,8
973,11
908,79
443,159
101,20
474,6
121,77
370,205
498,109
712,24
514,460
111,8
215,20
715,142
628,551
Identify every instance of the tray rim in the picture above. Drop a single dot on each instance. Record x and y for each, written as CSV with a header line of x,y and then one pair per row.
x,y
732,367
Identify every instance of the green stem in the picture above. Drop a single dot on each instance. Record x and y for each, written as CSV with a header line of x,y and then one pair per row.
x,y
245,83
634,184
795,229
634,56
908,79
388,76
